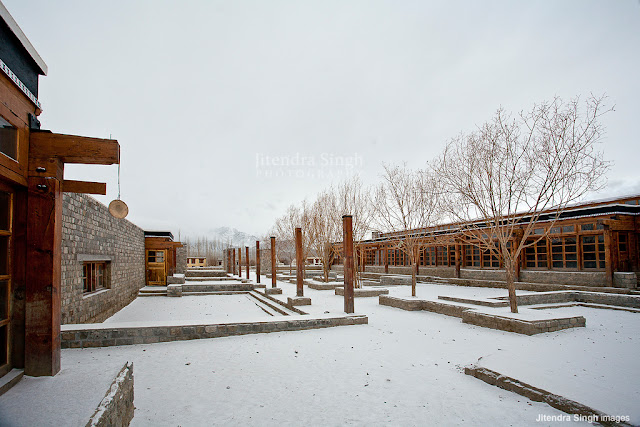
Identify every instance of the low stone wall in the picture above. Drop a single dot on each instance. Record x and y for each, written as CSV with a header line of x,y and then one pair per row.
x,y
395,280
215,287
625,280
526,327
97,335
116,408
539,395
362,293
471,316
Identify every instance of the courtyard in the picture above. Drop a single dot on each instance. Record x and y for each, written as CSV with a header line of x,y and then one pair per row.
x,y
402,368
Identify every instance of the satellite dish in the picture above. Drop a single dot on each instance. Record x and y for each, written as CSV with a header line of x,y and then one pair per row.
x,y
118,209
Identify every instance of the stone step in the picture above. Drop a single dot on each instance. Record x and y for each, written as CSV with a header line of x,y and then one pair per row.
x,y
12,378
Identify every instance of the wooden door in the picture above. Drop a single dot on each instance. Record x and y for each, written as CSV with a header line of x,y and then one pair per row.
x,y
156,268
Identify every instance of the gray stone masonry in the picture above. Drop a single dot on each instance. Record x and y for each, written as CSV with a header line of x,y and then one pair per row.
x,y
181,260
174,290
176,279
89,232
625,280
539,395
469,315
273,291
116,409
363,293
395,280
293,301
77,336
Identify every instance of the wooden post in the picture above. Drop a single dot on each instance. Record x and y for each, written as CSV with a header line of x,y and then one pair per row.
x,y
456,260
233,260
258,261
299,264
240,263
273,262
608,258
44,246
247,253
347,238
386,260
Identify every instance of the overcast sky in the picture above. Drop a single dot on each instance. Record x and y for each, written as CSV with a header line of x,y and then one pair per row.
x,y
209,98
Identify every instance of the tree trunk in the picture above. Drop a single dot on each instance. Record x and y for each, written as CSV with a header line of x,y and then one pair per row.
x,y
509,267
414,273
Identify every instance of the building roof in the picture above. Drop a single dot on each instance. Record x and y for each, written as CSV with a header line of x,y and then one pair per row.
x,y
22,38
166,234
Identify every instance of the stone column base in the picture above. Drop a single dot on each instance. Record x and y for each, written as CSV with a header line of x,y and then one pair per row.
x,y
293,301
273,291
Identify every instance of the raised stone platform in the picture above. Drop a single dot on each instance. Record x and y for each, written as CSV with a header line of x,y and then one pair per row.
x,y
529,324
322,286
116,408
106,335
392,280
363,293
294,301
273,291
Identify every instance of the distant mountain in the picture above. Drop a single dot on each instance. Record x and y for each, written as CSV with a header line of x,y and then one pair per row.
x,y
231,236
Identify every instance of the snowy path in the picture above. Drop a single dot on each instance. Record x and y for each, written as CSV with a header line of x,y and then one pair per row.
x,y
403,368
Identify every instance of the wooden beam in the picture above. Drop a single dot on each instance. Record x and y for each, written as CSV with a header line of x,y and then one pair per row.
x,y
69,186
74,149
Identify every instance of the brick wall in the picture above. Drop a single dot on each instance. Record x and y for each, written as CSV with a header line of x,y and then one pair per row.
x,y
90,232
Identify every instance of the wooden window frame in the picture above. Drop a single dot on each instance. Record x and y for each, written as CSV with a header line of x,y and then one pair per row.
x,y
95,276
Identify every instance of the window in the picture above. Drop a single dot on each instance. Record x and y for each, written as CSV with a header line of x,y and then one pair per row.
x,y
489,260
472,256
586,227
155,256
8,139
94,276
593,252
564,252
443,255
536,255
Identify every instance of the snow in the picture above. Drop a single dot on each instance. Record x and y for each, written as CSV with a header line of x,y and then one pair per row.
x,y
403,368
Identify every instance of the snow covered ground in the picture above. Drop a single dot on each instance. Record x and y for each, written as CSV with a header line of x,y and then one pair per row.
x,y
403,368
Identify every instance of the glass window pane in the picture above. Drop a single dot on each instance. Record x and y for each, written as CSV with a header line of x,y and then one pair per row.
x,y
8,139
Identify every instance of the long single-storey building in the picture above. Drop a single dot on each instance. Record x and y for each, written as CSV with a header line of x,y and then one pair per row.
x,y
593,243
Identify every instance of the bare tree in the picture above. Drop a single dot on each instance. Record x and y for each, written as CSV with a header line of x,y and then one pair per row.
x,y
353,198
503,179
404,202
324,229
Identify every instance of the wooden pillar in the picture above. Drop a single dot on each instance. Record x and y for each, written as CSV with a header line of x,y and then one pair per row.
x,y
347,238
458,258
44,246
233,260
386,260
247,253
517,239
299,264
273,262
240,262
258,261
608,257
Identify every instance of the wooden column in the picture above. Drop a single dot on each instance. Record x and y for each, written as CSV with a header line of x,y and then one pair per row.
x,y
44,246
240,262
299,264
233,260
247,253
347,238
258,261
458,258
608,257
386,260
273,262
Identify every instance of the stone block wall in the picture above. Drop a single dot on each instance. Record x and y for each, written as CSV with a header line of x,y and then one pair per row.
x,y
89,232
181,260
116,409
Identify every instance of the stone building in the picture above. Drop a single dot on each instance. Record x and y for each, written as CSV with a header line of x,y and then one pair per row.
x,y
103,260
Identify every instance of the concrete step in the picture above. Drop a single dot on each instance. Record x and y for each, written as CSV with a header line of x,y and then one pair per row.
x,y
12,378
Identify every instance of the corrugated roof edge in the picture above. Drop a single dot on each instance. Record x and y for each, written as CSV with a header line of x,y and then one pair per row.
x,y
15,29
